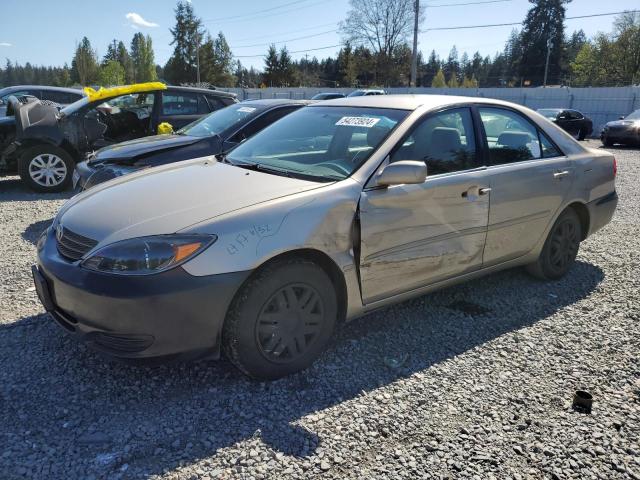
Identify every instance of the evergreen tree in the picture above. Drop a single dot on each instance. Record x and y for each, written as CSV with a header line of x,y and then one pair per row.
x,y
187,39
123,57
84,66
543,25
142,58
439,81
271,67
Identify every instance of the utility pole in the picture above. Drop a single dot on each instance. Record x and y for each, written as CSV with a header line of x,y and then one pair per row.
x,y
546,65
198,58
306,61
414,57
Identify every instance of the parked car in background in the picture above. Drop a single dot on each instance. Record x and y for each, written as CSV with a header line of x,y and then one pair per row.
x,y
625,131
572,121
366,92
335,210
216,133
327,96
59,95
42,143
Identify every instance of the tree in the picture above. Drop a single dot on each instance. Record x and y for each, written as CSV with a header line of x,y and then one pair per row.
x,y
123,57
382,26
346,66
438,80
112,52
453,81
544,23
187,39
286,70
142,59
84,66
111,73
271,67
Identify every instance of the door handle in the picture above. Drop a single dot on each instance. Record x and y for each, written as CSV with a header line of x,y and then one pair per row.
x,y
474,192
561,174
484,191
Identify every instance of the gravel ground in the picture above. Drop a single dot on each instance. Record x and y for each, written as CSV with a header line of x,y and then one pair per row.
x,y
472,382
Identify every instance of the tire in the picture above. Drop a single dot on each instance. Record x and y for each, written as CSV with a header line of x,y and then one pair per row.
x,y
560,248
260,335
582,134
33,164
607,142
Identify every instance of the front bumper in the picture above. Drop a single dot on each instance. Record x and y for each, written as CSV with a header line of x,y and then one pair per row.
x,y
601,211
623,136
170,314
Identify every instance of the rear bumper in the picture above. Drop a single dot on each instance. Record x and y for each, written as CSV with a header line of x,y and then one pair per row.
x,y
601,211
171,314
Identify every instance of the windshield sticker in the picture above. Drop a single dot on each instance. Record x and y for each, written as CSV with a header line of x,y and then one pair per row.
x,y
247,109
366,122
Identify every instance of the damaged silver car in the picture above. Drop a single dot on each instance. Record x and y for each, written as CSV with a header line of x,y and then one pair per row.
x,y
335,210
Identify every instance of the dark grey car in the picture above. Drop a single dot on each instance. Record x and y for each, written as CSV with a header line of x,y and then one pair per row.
x,y
625,131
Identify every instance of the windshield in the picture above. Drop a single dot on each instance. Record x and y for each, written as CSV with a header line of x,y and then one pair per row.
x,y
219,120
357,93
633,115
550,113
329,143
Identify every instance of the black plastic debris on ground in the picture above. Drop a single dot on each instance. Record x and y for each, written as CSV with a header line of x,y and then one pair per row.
x,y
469,308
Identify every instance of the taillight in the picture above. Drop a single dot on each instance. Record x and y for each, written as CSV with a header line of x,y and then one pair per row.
x,y
615,167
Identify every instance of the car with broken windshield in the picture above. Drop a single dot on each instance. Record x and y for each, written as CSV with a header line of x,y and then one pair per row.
x,y
337,209
42,143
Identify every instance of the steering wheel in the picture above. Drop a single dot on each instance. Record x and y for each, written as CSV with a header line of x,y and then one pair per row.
x,y
105,119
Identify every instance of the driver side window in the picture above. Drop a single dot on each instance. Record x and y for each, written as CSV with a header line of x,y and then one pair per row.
x,y
444,141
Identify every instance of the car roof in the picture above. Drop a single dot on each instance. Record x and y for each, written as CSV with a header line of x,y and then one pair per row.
x,y
406,101
15,88
274,102
207,91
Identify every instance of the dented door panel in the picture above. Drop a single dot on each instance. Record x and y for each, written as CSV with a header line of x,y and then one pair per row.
x,y
414,235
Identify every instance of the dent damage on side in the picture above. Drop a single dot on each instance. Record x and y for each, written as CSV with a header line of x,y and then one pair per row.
x,y
322,220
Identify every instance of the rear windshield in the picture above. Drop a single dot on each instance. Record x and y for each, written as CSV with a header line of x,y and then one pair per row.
x,y
324,142
634,116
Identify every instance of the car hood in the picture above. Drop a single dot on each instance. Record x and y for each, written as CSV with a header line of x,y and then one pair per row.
x,y
129,152
170,198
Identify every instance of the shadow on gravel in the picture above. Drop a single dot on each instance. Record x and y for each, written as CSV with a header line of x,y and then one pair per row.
x,y
33,231
13,190
105,419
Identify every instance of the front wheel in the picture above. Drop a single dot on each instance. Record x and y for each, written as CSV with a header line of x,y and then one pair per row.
x,y
582,134
281,320
560,248
607,142
46,168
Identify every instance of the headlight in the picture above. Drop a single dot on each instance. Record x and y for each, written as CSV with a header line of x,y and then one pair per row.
x,y
147,255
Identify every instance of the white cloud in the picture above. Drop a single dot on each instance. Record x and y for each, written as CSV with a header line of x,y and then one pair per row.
x,y
5,44
137,20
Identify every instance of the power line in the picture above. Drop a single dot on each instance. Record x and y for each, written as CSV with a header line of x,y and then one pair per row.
x,y
254,13
253,16
285,41
295,51
286,33
468,3
520,23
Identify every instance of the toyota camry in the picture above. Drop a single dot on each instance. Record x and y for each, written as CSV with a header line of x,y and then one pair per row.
x,y
335,210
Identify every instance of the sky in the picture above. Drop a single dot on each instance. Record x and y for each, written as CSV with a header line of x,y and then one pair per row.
x,y
45,32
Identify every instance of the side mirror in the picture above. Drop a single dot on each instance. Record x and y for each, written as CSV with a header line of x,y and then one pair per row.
x,y
165,128
621,117
404,171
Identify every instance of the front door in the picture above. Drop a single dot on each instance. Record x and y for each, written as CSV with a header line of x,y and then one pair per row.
x,y
415,235
529,179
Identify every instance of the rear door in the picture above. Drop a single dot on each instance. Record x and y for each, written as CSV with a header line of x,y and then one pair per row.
x,y
415,235
181,108
529,179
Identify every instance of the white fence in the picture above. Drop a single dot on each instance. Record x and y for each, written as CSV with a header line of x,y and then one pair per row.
x,y
600,104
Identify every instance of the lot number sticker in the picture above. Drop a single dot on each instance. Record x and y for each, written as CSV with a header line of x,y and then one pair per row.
x,y
366,122
246,109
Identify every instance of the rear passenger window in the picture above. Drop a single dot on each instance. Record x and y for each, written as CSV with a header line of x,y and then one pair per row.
x,y
444,141
184,104
510,137
63,98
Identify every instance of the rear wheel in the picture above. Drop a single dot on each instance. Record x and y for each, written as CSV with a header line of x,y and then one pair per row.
x,y
46,168
582,134
560,249
281,320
